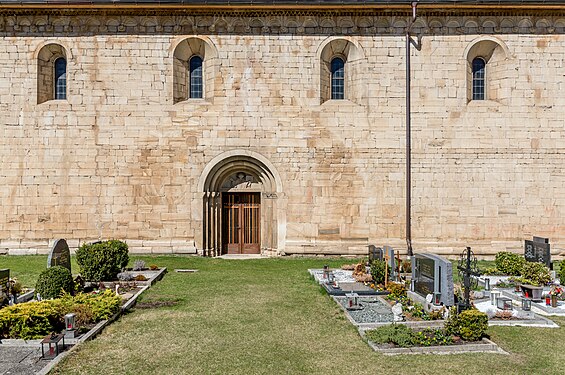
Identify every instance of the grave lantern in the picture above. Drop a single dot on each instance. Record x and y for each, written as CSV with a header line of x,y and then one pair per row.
x,y
331,277
352,300
437,299
493,297
53,345
70,322
526,304
504,303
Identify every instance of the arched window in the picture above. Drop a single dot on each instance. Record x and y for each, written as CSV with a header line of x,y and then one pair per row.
x,y
337,68
195,77
478,67
60,78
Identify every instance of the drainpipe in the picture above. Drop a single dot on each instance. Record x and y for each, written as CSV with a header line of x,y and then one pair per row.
x,y
408,137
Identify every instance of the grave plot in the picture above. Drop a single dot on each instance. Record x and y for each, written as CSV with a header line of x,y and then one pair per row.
x,y
526,281
66,312
430,304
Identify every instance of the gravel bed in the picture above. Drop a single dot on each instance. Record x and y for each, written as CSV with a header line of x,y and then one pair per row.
x,y
373,310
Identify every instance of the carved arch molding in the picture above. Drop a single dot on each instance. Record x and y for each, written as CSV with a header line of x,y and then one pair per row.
x,y
239,172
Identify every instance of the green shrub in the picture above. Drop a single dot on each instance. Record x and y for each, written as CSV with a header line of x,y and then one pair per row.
x,y
103,305
378,269
103,260
470,325
403,336
535,273
33,320
509,263
431,336
398,334
53,282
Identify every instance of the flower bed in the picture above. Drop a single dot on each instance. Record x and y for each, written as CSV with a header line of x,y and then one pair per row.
x,y
33,320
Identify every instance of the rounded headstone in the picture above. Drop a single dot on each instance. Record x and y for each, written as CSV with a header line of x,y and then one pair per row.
x,y
60,255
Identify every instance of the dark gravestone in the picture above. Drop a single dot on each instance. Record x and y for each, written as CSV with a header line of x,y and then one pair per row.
x,y
4,278
60,255
432,274
375,253
538,250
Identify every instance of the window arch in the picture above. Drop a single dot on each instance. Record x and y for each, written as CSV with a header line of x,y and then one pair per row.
x,y
60,81
478,69
52,73
195,78
488,62
337,70
195,67
341,70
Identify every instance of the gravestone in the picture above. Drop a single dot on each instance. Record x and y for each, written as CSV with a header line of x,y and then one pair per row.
x,y
538,250
60,255
4,278
432,274
375,253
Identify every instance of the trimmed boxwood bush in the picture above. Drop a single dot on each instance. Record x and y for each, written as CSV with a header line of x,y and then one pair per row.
x,y
509,263
470,325
53,282
102,260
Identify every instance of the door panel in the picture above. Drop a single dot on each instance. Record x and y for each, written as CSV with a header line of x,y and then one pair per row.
x,y
241,222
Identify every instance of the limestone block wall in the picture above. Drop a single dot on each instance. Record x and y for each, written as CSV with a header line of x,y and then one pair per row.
x,y
120,158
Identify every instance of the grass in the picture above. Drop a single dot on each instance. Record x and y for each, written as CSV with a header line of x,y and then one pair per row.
x,y
267,316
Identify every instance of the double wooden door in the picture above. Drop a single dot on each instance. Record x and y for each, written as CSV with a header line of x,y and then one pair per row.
x,y
241,217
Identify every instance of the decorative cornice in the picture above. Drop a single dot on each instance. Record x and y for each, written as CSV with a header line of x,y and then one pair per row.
x,y
58,23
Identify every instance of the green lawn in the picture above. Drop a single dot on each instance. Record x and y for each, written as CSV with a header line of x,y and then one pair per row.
x,y
267,316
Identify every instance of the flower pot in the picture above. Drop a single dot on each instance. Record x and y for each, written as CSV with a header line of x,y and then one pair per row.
x,y
553,301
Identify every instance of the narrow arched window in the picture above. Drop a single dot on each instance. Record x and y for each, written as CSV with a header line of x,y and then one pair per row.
x,y
337,68
60,78
195,77
478,67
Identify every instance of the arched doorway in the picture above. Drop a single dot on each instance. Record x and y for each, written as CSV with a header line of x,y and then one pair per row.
x,y
239,212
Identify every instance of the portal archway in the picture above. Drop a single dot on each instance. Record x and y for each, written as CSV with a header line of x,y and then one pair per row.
x,y
240,211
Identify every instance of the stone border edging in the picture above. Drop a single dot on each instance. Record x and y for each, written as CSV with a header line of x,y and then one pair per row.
x,y
486,347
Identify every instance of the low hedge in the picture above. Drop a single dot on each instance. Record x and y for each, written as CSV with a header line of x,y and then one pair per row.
x,y
34,320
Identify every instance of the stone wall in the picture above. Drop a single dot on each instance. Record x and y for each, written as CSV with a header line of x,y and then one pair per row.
x,y
120,159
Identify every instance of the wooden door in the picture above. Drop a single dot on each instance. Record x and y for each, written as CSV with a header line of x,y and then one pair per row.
x,y
241,219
